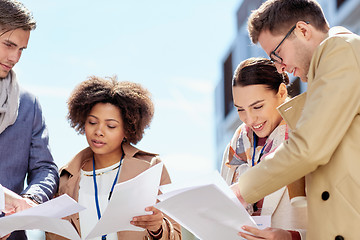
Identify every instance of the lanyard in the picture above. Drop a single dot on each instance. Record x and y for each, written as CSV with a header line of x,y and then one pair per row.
x,y
96,190
261,152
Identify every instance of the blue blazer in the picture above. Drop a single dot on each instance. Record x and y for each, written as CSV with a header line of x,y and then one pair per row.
x,y
25,154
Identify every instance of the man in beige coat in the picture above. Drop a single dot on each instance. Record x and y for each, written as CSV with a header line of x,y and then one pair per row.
x,y
325,121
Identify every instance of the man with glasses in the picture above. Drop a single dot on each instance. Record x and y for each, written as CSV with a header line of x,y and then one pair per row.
x,y
325,121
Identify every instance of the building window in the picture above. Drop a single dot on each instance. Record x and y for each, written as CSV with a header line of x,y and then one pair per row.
x,y
339,3
228,72
294,88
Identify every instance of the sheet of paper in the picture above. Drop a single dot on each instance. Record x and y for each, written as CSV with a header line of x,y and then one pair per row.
x,y
48,224
214,177
262,221
46,217
59,207
129,199
208,211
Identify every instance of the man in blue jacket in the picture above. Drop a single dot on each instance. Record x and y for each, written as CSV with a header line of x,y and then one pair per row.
x,y
24,147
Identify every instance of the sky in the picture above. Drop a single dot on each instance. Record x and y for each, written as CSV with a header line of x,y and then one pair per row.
x,y
173,48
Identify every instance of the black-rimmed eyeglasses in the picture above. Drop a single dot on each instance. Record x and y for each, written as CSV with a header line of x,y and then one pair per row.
x,y
273,56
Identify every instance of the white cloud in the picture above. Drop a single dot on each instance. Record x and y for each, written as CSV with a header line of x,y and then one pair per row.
x,y
84,61
182,166
48,91
192,97
200,86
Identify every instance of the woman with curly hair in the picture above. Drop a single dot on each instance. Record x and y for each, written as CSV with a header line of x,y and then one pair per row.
x,y
113,116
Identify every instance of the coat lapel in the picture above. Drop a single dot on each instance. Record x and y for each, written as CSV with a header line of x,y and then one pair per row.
x,y
291,110
272,201
133,166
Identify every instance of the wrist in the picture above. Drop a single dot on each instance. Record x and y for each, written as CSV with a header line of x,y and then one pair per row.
x,y
156,234
295,235
33,197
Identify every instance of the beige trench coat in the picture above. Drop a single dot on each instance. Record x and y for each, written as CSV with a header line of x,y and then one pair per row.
x,y
324,143
135,162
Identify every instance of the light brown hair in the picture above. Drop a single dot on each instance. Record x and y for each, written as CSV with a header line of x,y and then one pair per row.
x,y
14,15
278,16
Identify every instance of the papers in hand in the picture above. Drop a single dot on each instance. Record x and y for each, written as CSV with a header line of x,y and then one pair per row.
x,y
129,199
206,207
46,217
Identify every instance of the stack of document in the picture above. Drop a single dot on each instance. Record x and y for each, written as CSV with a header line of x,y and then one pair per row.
x,y
128,200
123,206
46,216
206,207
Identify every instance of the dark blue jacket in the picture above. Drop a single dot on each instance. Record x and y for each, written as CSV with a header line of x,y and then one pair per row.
x,y
25,154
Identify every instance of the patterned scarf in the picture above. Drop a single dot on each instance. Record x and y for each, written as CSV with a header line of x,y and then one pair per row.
x,y
241,148
9,100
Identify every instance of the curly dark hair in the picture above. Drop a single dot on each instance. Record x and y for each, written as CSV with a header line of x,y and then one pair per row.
x,y
134,102
258,70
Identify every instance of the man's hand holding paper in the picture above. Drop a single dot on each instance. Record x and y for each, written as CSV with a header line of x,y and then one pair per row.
x,y
12,202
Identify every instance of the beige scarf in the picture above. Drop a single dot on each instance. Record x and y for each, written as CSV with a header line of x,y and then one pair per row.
x,y
9,100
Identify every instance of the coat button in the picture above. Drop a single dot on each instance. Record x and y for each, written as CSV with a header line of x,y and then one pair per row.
x,y
339,237
325,196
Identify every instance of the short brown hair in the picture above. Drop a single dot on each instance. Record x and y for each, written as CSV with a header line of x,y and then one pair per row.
x,y
14,15
278,16
134,102
253,71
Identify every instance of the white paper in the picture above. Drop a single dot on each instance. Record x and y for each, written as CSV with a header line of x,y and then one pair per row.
x,y
262,221
59,207
48,224
45,217
128,200
214,177
209,211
